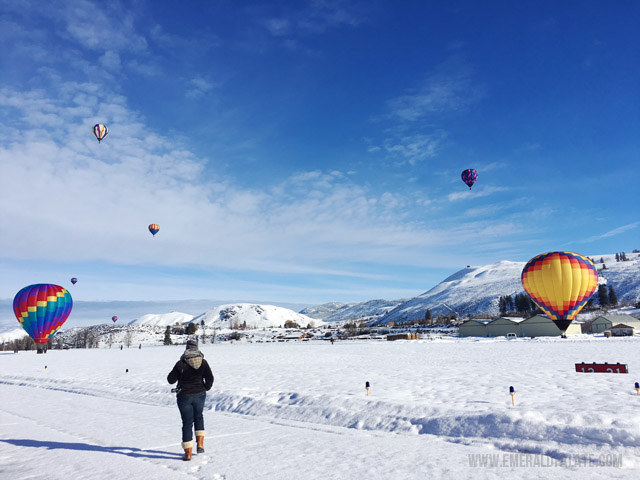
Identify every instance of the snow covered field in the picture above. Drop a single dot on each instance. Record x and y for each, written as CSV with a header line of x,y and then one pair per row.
x,y
437,409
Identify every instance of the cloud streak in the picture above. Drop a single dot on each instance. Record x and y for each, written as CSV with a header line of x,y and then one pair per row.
x,y
613,233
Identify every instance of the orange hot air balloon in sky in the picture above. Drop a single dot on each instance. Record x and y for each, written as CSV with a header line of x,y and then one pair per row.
x,y
154,228
560,283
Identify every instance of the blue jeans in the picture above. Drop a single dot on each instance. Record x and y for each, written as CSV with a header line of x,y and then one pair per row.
x,y
191,407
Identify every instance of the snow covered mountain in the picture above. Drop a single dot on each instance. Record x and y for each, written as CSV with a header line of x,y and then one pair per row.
x,y
163,319
252,316
335,312
365,310
477,290
472,290
325,310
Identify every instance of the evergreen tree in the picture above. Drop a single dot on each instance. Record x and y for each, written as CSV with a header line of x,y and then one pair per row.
x,y
603,297
617,257
428,317
510,303
167,336
192,328
502,304
522,303
533,306
204,337
613,298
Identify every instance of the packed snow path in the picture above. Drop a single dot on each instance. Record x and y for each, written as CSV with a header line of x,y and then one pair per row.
x,y
436,409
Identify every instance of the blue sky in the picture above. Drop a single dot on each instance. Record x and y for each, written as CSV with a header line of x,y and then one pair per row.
x,y
308,152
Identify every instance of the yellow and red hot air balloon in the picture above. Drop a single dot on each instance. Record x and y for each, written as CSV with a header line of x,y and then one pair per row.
x,y
560,283
100,131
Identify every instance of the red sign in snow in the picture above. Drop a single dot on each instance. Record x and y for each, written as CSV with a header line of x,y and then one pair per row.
x,y
601,368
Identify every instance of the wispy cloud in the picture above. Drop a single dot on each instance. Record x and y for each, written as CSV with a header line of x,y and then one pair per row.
x,y
199,86
414,129
95,28
478,192
613,233
94,201
449,89
414,148
315,17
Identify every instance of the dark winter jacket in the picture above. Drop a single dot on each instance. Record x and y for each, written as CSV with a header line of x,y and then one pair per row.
x,y
193,375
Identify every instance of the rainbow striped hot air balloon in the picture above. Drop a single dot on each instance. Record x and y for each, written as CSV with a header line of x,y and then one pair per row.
x,y
154,228
100,131
41,309
560,283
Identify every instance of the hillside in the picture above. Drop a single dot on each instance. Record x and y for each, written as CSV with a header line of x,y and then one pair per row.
x,y
321,312
163,319
476,290
252,316
473,290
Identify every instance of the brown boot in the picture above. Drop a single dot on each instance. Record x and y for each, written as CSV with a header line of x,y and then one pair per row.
x,y
187,454
200,444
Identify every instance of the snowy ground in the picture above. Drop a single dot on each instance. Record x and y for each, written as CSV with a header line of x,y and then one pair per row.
x,y
437,409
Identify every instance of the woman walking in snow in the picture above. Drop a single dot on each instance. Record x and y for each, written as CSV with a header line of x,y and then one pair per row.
x,y
194,377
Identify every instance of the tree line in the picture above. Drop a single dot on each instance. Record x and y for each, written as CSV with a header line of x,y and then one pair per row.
x,y
520,303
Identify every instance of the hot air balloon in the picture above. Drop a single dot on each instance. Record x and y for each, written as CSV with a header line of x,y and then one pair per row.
x,y
560,283
154,228
469,176
114,318
100,131
41,309
74,280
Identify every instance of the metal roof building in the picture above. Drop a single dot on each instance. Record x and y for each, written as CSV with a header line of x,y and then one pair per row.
x,y
542,326
537,326
473,328
605,322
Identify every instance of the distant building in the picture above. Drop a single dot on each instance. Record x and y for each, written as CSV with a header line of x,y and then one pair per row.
x,y
542,326
501,326
537,326
622,330
605,322
473,328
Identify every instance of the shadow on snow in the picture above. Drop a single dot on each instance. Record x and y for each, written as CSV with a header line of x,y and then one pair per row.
x,y
128,451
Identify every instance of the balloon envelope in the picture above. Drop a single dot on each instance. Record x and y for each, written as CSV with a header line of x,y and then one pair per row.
x,y
114,318
154,228
560,283
41,309
74,280
469,176
100,131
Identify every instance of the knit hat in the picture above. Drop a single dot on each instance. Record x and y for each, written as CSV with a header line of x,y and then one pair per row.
x,y
192,344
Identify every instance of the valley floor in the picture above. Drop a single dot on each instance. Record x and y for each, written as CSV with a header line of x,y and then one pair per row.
x,y
436,409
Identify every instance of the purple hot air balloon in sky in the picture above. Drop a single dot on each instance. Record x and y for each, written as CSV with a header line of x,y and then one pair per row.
x,y
469,176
